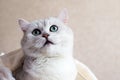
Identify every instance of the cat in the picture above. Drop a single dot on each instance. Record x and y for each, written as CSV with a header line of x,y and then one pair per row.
x,y
48,48
46,53
5,73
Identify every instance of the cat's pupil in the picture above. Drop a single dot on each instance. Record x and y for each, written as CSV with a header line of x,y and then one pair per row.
x,y
36,32
53,28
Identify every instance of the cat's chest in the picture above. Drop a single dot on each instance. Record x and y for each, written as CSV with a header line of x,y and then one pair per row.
x,y
49,69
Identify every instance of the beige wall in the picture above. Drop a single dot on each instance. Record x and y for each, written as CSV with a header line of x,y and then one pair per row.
x,y
96,24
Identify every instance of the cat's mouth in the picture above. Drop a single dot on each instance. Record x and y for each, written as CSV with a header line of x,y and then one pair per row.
x,y
48,42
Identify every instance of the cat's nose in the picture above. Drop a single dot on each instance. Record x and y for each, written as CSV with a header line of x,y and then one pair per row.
x,y
45,35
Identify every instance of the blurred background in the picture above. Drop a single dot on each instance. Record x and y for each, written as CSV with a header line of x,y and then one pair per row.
x,y
96,25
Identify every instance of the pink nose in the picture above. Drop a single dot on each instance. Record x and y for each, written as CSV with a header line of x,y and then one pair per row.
x,y
45,35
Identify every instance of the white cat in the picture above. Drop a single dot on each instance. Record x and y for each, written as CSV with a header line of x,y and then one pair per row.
x,y
48,47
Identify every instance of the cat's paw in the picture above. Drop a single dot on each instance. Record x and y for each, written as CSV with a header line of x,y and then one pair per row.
x,y
3,78
5,74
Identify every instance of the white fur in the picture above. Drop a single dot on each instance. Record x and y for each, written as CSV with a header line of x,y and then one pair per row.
x,y
50,62
5,73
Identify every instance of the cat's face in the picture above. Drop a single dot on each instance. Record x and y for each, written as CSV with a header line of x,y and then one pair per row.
x,y
47,36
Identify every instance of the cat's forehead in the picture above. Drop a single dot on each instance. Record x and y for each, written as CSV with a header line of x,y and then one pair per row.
x,y
45,22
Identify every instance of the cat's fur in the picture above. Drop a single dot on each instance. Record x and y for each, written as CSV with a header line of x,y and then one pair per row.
x,y
50,61
5,73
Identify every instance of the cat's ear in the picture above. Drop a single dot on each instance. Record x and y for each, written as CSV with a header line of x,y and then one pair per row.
x,y
63,16
23,24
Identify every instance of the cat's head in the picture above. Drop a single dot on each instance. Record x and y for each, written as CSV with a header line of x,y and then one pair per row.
x,y
48,36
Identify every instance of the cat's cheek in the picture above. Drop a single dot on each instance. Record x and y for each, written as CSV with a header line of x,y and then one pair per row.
x,y
40,43
56,40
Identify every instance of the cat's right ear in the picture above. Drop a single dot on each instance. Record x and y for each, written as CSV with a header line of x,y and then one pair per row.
x,y
23,24
63,16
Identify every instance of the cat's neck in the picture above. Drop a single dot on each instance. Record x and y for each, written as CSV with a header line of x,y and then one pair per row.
x,y
38,53
31,64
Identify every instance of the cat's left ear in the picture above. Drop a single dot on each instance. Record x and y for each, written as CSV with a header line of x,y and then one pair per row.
x,y
23,24
63,16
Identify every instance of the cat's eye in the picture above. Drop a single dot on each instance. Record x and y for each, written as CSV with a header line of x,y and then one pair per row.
x,y
36,32
54,28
